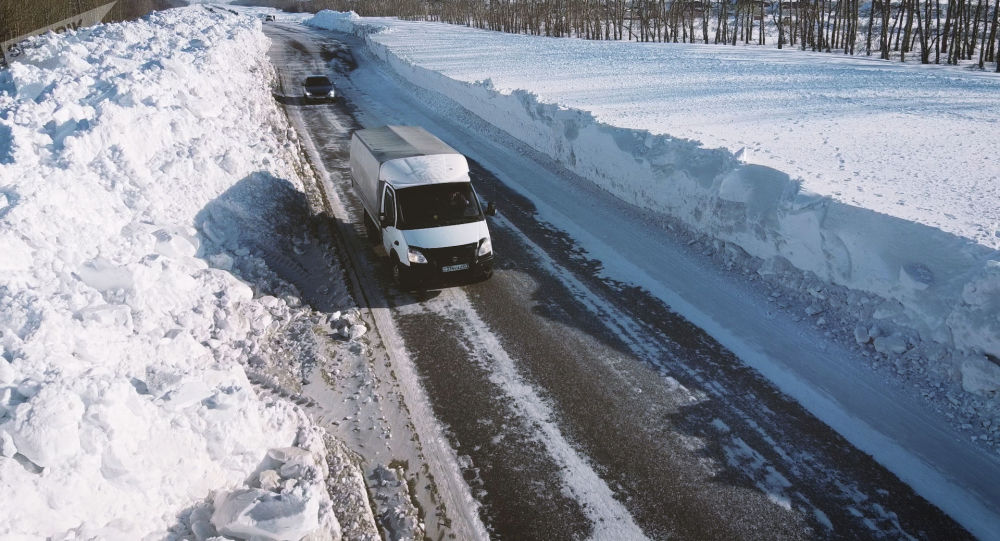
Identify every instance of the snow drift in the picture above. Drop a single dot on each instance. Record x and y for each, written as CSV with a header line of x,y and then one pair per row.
x,y
938,285
123,404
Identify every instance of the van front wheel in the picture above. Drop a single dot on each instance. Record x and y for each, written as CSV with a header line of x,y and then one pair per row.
x,y
400,274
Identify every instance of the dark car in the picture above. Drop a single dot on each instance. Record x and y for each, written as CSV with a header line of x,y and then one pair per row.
x,y
318,87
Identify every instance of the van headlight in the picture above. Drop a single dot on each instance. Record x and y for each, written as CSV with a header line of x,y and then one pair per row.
x,y
415,256
485,247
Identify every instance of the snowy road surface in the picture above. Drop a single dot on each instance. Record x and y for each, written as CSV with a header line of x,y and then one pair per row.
x,y
577,406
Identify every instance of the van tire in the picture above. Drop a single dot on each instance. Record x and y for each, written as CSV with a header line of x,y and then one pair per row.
x,y
400,273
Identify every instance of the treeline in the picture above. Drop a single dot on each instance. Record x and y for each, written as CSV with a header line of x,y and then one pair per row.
x,y
404,9
19,17
931,31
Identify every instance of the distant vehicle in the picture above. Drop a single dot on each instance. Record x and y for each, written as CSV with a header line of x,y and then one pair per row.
x,y
269,17
318,87
419,201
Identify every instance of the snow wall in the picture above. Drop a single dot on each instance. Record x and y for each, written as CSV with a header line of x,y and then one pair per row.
x,y
123,403
942,287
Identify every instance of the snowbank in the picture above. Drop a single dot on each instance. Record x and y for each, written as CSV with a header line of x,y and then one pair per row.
x,y
934,283
349,22
123,403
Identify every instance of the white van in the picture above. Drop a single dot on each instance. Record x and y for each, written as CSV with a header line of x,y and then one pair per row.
x,y
419,201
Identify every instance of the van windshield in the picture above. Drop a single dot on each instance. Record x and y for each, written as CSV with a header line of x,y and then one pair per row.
x,y
434,205
317,80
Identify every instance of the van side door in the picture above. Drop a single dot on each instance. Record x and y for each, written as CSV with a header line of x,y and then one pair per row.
x,y
391,236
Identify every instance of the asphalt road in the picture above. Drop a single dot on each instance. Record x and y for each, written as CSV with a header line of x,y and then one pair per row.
x,y
577,407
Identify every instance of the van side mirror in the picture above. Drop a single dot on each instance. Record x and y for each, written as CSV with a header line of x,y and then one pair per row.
x,y
491,209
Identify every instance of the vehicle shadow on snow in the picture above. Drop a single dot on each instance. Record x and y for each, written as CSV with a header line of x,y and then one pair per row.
x,y
293,101
263,230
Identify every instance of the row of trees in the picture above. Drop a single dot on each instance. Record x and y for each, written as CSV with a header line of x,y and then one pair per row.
x,y
933,31
20,17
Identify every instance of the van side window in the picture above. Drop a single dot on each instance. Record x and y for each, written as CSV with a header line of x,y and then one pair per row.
x,y
389,207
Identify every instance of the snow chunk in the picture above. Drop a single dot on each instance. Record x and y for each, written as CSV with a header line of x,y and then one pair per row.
x,y
46,426
17,255
256,513
355,331
890,344
201,523
102,275
980,376
861,334
7,373
813,309
7,447
269,480
107,315
176,243
221,261
976,319
295,461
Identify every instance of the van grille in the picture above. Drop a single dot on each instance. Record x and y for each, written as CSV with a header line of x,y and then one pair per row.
x,y
439,257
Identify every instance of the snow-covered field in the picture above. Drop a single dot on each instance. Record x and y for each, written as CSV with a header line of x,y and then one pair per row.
x,y
874,176
125,409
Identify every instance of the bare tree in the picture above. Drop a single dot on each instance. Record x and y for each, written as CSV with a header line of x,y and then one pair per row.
x,y
987,52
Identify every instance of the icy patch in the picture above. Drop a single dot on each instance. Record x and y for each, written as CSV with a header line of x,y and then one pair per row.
x,y
776,486
720,426
823,519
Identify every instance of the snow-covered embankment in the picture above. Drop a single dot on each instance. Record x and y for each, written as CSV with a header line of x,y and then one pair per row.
x,y
925,297
124,408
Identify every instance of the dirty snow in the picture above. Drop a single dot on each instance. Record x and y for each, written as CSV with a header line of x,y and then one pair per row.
x,y
125,409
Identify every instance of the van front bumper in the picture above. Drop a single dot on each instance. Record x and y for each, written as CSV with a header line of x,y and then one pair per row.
x,y
440,261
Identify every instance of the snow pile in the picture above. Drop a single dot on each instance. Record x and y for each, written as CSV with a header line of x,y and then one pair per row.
x,y
123,405
339,21
393,507
855,172
285,504
348,326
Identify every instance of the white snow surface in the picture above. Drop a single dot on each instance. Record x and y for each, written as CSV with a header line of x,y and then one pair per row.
x,y
871,175
123,404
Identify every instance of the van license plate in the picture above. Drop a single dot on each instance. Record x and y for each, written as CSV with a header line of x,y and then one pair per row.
x,y
452,268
